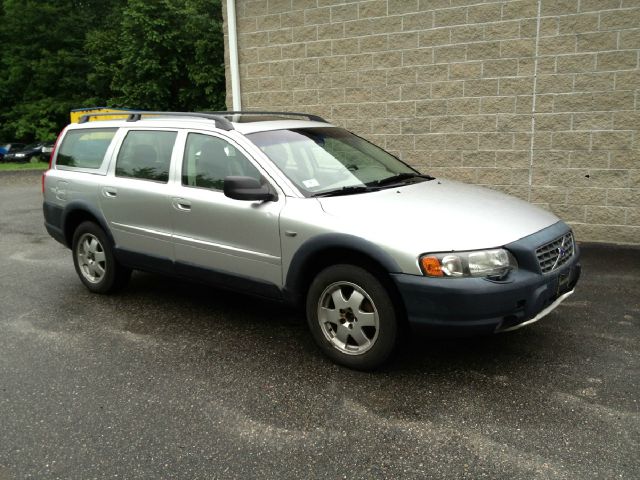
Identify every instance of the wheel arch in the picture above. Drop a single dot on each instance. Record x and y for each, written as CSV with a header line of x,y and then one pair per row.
x,y
331,249
77,212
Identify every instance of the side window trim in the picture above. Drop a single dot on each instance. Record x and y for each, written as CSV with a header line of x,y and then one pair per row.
x,y
112,152
175,172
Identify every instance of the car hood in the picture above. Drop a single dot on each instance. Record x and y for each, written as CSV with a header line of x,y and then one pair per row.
x,y
438,215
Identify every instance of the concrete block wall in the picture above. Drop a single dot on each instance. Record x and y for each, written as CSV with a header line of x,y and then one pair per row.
x,y
537,98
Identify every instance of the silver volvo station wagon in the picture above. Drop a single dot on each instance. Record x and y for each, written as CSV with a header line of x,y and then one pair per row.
x,y
286,206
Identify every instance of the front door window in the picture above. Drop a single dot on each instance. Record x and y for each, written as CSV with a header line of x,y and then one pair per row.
x,y
208,160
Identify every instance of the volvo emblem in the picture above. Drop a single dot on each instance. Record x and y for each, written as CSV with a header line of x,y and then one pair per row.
x,y
562,252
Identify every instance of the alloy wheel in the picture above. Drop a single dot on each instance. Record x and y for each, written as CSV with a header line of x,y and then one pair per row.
x,y
91,258
348,318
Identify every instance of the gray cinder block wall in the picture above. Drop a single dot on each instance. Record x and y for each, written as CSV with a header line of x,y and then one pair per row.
x,y
539,99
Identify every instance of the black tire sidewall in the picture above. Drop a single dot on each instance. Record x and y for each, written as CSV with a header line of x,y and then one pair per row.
x,y
387,338
106,284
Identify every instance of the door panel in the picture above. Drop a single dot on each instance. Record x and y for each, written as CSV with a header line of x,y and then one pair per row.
x,y
136,199
137,214
215,232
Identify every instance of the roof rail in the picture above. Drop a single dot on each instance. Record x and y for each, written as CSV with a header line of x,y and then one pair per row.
x,y
135,115
310,116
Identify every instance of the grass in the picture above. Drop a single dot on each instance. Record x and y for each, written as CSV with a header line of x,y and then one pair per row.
x,y
8,167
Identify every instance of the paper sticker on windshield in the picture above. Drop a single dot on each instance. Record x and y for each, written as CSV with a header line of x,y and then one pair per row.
x,y
312,182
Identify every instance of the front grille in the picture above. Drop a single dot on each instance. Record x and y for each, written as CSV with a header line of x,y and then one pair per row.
x,y
555,254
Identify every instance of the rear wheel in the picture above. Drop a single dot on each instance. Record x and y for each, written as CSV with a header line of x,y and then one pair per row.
x,y
352,317
94,260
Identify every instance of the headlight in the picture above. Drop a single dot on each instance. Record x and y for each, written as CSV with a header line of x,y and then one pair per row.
x,y
480,263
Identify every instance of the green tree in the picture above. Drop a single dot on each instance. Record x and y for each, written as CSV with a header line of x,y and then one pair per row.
x,y
170,56
102,53
205,66
57,55
40,58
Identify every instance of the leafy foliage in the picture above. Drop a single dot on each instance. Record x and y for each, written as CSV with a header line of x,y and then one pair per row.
x,y
62,54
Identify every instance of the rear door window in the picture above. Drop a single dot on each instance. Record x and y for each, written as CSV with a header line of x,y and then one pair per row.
x,y
85,148
146,155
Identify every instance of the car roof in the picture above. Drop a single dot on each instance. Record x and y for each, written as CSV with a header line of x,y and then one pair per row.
x,y
247,128
242,122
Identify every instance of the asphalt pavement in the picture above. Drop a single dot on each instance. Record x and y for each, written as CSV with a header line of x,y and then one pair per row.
x,y
170,379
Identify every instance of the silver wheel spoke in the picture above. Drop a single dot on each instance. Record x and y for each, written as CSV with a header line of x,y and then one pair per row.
x,y
93,245
359,337
366,319
98,269
338,299
330,315
99,257
342,334
355,300
92,269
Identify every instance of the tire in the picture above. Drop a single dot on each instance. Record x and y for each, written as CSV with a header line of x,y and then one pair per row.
x,y
94,260
352,317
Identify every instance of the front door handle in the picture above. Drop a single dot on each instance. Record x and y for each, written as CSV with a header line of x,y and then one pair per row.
x,y
109,192
182,204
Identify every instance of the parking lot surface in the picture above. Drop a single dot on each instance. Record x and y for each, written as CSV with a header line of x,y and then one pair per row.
x,y
170,379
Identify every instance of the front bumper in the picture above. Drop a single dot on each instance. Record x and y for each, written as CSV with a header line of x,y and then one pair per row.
x,y
470,306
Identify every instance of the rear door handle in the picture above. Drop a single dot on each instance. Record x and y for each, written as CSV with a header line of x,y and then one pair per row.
x,y
182,204
109,192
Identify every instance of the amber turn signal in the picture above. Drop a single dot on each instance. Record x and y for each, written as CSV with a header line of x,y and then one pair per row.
x,y
431,266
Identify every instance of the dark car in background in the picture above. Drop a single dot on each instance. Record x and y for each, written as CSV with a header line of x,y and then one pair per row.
x,y
31,153
6,148
47,148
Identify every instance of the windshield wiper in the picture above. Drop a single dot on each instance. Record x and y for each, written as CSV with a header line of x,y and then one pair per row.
x,y
346,191
372,186
399,178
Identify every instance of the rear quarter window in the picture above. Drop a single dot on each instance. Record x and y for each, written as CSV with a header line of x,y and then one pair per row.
x,y
85,148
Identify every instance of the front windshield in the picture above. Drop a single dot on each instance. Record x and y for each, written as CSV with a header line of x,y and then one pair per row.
x,y
324,159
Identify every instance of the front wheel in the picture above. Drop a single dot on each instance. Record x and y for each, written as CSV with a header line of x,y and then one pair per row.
x,y
351,317
94,260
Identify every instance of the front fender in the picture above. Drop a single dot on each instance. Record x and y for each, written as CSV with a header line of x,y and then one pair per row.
x,y
315,246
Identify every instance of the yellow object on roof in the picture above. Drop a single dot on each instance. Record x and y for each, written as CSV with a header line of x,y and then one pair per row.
x,y
119,113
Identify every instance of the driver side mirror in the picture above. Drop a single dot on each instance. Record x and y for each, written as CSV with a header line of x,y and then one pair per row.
x,y
247,188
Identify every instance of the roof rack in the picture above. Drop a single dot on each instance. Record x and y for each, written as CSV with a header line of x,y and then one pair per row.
x,y
135,115
309,116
